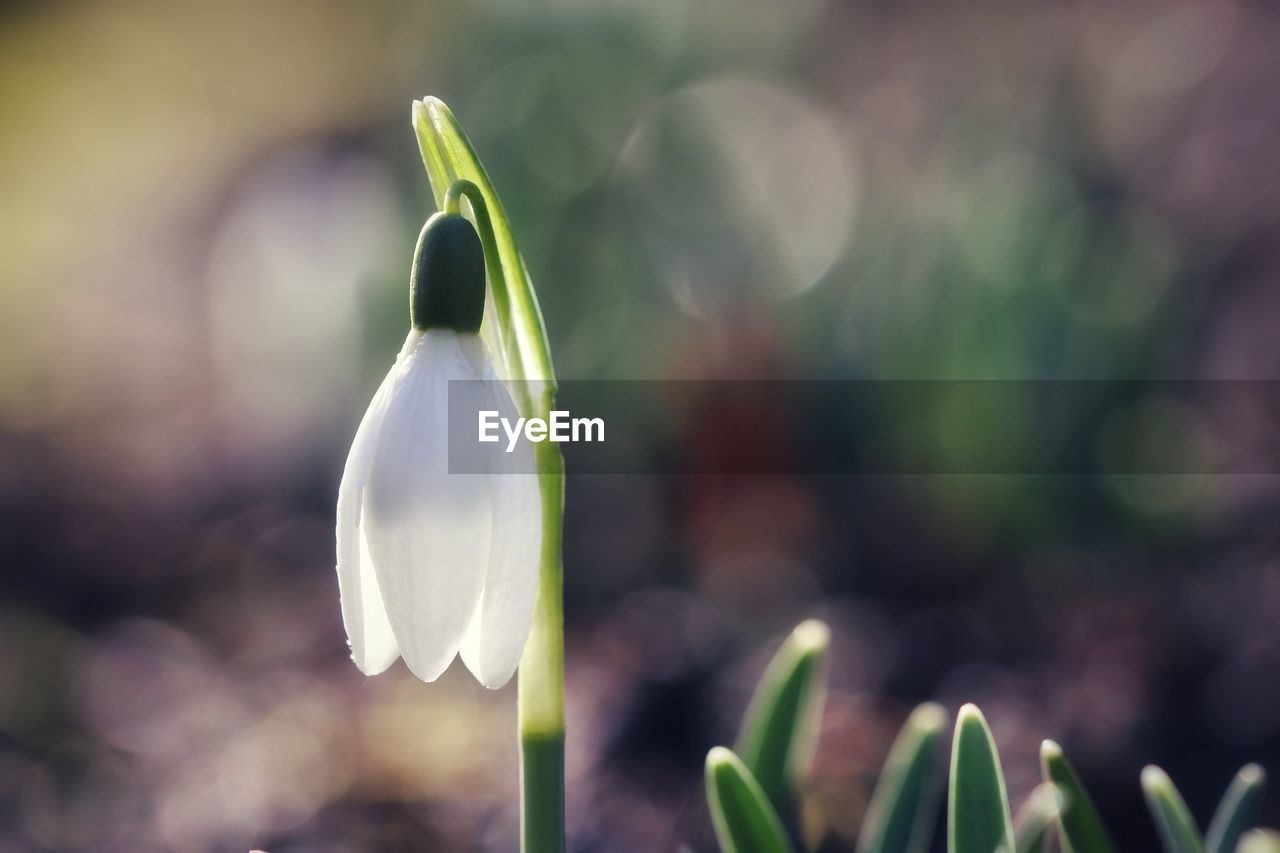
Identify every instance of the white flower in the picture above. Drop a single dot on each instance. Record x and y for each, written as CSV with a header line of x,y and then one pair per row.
x,y
430,563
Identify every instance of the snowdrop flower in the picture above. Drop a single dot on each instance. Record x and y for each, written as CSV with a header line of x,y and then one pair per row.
x,y
430,563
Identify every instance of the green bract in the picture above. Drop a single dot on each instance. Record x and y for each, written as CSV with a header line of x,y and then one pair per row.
x,y
518,335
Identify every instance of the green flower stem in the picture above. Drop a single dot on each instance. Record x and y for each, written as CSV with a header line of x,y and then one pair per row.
x,y
541,685
542,793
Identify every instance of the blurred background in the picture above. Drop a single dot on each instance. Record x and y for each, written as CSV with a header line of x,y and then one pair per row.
x,y
207,220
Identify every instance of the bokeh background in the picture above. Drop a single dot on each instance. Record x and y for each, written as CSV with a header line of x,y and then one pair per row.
x,y
207,219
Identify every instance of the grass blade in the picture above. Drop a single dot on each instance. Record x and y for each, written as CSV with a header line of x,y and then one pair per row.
x,y
744,820
781,723
901,811
1177,828
1080,830
978,806
1235,812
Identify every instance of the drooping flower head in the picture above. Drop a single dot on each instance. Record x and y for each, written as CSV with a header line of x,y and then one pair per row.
x,y
433,563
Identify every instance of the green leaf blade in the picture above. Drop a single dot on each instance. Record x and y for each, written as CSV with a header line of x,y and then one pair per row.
x,y
1080,830
901,811
978,818
780,727
1236,811
744,820
1178,830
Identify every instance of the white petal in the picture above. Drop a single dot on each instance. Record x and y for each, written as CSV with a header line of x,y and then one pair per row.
x,y
427,529
500,626
373,647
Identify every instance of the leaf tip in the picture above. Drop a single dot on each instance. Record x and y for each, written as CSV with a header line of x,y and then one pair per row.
x,y
429,112
812,637
1259,841
436,108
928,718
969,715
1252,775
1154,780
719,758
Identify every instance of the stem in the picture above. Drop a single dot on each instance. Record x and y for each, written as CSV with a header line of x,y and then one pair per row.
x,y
542,793
541,686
